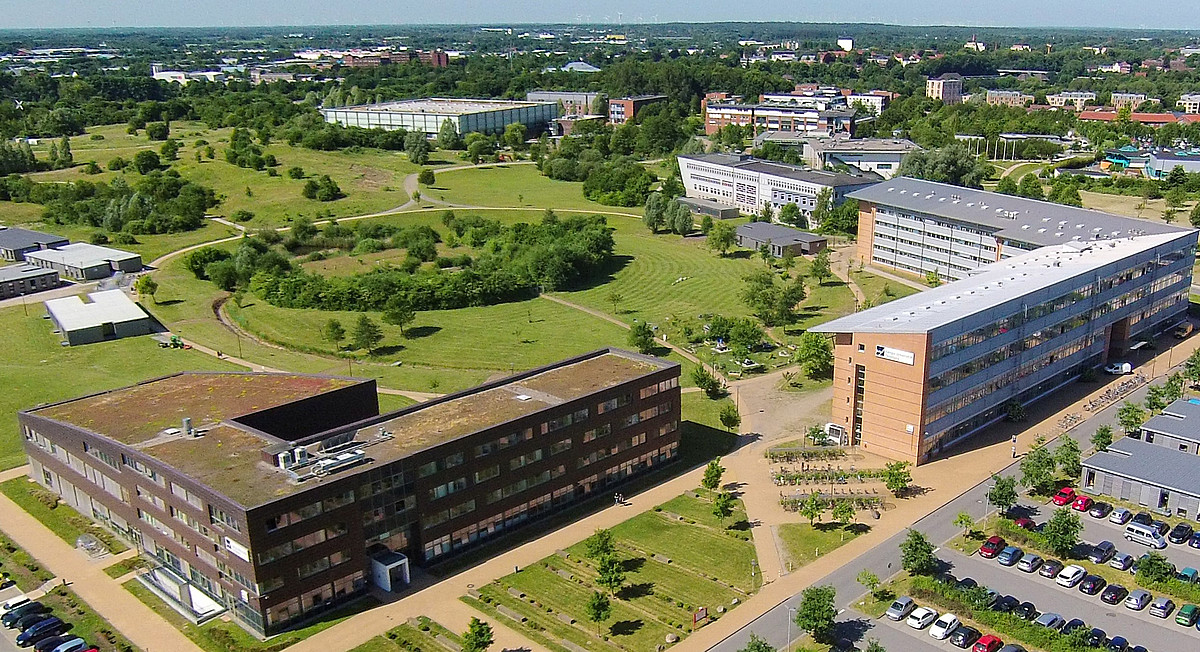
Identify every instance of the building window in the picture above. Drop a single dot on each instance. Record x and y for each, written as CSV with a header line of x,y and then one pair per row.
x,y
1089,479
427,469
448,488
218,516
1149,437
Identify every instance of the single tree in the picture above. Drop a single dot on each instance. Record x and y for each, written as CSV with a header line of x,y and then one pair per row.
x,y
843,512
764,252
1030,187
965,521
1003,493
1194,216
1130,416
146,286
599,609
611,574
1169,214
1067,457
721,238
817,612
1062,531
146,161
655,212
813,507
873,645
821,269
896,477
723,506
822,208
1007,186
757,644
615,298
416,146
868,580
1156,568
712,475
448,137
932,278
425,178
815,355
706,382
1103,437
366,334
766,213
65,158
1191,368
788,260
398,311
601,544
478,637
1157,398
1037,469
334,333
790,213
917,554
641,337
729,416
706,224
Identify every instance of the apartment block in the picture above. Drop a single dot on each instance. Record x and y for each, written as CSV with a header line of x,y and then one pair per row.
x,y
1189,102
1008,98
624,109
1074,99
947,88
1127,100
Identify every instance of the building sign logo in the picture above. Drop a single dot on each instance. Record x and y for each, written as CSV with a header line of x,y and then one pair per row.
x,y
895,355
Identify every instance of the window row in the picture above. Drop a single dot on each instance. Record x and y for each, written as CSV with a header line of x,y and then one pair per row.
x,y
300,543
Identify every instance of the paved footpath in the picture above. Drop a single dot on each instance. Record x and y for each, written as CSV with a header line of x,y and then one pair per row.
x,y
120,608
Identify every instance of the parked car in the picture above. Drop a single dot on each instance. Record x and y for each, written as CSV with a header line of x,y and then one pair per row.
x,y
1143,517
1120,516
921,617
1138,599
1102,552
1010,556
1050,620
1118,368
989,598
900,608
1187,615
50,642
1071,576
991,547
1082,503
1162,607
13,603
1026,611
1181,533
75,644
1161,527
29,620
1100,510
1092,584
1064,496
1024,523
1051,568
20,611
1029,563
965,583
1195,540
1072,625
49,627
964,637
1006,604
987,643
1012,647
943,626
1121,561
1183,330
1097,637
1188,575
1118,644
1113,594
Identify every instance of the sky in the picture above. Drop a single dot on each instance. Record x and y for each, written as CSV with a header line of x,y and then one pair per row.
x,y
229,13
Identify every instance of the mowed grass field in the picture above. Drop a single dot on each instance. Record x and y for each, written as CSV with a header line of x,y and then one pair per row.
x,y
512,186
38,370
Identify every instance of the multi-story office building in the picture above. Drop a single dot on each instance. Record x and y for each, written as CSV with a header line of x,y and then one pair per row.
x,y
879,155
918,227
777,117
947,88
1127,100
624,109
1008,98
277,496
573,102
748,183
1076,99
927,371
876,101
1189,102
428,115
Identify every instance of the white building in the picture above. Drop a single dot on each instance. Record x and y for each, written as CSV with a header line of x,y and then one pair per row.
x,y
877,102
846,43
82,261
748,183
1190,102
106,315
879,155
947,88
1131,100
1077,99
427,115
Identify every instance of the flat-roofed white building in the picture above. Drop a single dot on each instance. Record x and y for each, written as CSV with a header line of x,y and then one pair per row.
x,y
1189,102
83,262
1076,99
105,315
427,115
1132,100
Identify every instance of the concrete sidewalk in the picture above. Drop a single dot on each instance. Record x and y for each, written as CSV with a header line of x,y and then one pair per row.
x,y
86,577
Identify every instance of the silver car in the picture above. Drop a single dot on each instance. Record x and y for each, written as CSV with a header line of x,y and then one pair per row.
x,y
1029,563
1120,516
1162,607
1138,599
900,608
1050,621
1121,561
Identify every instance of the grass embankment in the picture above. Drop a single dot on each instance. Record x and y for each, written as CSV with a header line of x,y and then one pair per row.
x,y
217,635
27,572
879,290
419,633
805,543
513,186
59,517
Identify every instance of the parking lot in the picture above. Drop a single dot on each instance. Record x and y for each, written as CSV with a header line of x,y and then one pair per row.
x,y
8,637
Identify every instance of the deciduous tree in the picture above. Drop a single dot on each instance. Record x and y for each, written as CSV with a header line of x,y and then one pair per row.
x,y
821,269
712,475
817,612
723,506
478,637
399,312
641,337
815,355
729,416
146,286
1003,493
599,609
813,507
333,332
1062,531
601,544
721,238
1037,469
611,574
917,554
1067,457
897,477
366,334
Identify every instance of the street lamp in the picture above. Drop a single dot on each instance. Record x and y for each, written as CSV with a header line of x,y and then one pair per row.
x,y
791,616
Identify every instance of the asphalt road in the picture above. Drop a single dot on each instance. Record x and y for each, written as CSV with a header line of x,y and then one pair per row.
x,y
884,559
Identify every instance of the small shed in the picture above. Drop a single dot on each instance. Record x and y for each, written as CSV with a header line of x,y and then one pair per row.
x,y
105,315
710,207
779,238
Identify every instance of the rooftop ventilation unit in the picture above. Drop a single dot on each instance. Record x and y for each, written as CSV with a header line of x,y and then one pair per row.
x,y
523,397
339,461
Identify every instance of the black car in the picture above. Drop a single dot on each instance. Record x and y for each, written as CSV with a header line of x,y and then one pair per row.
x,y
1195,540
965,584
1006,604
29,620
1026,611
1143,517
964,637
1162,528
1072,625
1114,594
1100,510
1118,644
10,619
1050,568
1092,584
1180,533
1097,637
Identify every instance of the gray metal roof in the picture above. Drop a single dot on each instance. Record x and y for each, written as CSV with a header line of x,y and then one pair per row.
x,y
82,255
777,233
1154,465
818,177
21,271
107,307
992,285
15,238
1015,218
708,203
1180,419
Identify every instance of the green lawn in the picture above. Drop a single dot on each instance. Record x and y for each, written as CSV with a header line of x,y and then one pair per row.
x,y
517,185
125,566
217,635
422,635
879,290
26,571
694,548
59,517
38,370
700,509
805,543
85,622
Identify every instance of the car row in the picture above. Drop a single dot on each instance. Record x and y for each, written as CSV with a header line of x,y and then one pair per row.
x,y
1180,534
946,627
39,628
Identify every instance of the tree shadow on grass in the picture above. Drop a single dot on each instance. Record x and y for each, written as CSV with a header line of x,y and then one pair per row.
x,y
660,351
858,528
387,350
826,527
625,627
742,525
633,564
171,302
639,590
417,332
605,275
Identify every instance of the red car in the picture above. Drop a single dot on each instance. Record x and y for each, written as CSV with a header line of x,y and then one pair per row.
x,y
1064,496
1082,503
1024,523
991,547
987,643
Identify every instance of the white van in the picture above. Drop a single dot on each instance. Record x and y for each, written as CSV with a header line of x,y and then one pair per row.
x,y
1145,535
13,603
